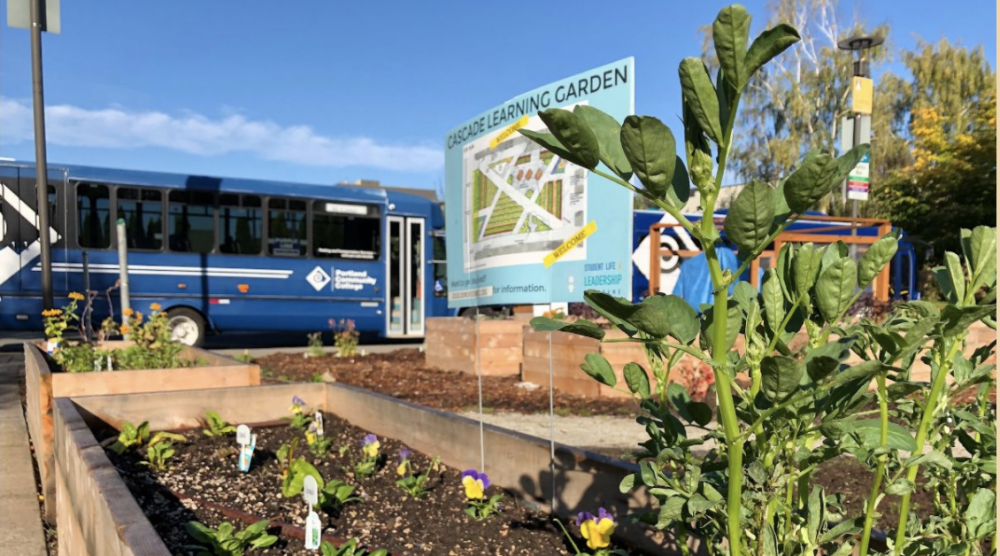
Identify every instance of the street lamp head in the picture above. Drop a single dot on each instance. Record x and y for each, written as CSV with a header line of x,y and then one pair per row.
x,y
860,42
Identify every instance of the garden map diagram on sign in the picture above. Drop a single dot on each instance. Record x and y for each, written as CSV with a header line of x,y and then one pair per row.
x,y
521,201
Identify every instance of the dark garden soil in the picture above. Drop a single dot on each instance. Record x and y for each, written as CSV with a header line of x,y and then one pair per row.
x,y
403,374
206,469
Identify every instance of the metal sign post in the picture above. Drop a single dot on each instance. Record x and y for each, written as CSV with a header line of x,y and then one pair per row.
x,y
41,15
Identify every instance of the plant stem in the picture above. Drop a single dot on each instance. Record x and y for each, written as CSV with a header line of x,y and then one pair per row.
x,y
925,422
883,406
682,538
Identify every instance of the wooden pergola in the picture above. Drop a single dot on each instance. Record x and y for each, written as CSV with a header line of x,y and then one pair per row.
x,y
841,225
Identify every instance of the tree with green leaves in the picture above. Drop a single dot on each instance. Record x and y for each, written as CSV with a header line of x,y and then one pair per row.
x,y
753,492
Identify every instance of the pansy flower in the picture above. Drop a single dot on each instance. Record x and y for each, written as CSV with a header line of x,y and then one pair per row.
x,y
370,445
297,405
311,434
597,530
475,484
76,296
404,461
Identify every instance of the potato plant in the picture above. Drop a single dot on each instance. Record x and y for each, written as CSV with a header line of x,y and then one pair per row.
x,y
797,407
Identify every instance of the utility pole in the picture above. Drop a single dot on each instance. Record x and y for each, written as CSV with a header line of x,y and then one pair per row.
x,y
41,163
854,189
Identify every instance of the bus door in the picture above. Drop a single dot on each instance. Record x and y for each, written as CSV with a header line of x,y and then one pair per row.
x,y
405,277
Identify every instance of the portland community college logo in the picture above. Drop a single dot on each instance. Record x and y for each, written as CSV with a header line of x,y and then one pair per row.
x,y
318,278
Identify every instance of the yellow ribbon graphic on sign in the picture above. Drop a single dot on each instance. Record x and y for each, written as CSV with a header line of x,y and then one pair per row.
x,y
507,133
570,243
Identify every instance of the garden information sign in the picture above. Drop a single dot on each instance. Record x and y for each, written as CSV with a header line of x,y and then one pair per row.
x,y
524,225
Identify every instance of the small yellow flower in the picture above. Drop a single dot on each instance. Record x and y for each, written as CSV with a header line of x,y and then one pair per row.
x,y
154,307
310,438
473,488
76,296
123,329
127,311
51,313
598,534
401,470
371,450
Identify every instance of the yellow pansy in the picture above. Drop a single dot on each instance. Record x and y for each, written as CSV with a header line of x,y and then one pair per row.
x,y
310,438
473,488
371,450
401,470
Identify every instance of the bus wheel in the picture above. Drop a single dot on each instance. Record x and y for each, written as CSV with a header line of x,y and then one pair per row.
x,y
186,326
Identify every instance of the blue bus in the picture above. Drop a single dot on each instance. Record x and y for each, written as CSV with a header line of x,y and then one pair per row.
x,y
222,254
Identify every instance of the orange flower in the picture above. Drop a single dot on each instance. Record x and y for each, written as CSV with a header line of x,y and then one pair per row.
x,y
154,307
127,312
123,329
76,296
51,312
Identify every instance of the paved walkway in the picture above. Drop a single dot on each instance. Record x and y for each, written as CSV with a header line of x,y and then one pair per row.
x,y
21,531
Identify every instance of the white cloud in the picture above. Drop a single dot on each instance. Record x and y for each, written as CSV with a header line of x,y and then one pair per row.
x,y
118,128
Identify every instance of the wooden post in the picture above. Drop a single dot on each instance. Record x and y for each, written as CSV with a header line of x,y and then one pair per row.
x,y
654,260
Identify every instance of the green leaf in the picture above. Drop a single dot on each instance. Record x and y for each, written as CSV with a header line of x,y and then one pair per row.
x,y
553,145
870,431
616,309
813,179
672,509
899,487
666,315
652,152
953,265
579,327
599,369
847,162
780,377
768,45
748,222
574,134
731,31
636,379
774,300
680,186
821,367
982,248
981,515
700,413
698,504
627,484
958,319
700,96
734,320
835,289
744,294
816,513
932,458
608,133
807,265
878,255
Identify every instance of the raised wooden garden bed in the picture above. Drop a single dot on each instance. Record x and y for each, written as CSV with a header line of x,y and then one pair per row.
x,y
451,345
44,381
99,514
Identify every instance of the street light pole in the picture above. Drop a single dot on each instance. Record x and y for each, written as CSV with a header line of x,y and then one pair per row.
x,y
41,164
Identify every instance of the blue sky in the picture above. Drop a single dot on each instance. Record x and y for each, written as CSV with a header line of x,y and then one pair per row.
x,y
336,91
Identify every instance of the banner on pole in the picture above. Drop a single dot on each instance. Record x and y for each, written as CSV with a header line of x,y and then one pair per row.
x,y
523,225
857,181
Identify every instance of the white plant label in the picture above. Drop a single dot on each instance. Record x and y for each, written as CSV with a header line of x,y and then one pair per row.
x,y
310,491
242,435
314,531
318,420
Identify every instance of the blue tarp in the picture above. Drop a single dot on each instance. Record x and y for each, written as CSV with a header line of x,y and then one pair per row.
x,y
694,284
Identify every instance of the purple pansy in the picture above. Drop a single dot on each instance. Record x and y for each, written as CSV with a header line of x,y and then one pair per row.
x,y
583,516
369,439
477,476
405,454
297,401
601,514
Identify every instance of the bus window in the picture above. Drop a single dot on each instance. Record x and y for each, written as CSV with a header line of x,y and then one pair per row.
x,y
346,231
142,210
93,216
192,221
286,228
239,224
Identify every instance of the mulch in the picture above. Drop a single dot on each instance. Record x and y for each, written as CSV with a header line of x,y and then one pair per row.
x,y
404,374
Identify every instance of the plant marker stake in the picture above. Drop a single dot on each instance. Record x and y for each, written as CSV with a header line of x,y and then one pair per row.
x,y
247,444
109,364
318,421
310,493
